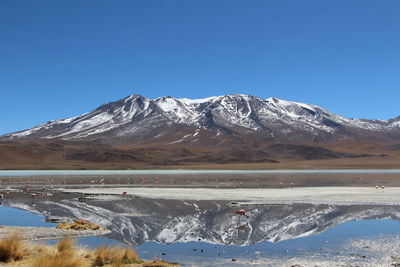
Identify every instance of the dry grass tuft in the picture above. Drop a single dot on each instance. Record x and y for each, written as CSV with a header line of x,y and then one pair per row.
x,y
11,249
78,225
100,255
130,256
114,256
66,254
65,259
65,245
41,249
106,255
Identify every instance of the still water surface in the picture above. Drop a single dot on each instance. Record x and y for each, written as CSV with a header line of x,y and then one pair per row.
x,y
197,233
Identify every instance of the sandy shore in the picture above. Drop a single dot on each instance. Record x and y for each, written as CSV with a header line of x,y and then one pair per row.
x,y
317,195
37,233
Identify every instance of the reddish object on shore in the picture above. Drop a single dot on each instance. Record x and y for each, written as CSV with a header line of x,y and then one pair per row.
x,y
124,193
241,212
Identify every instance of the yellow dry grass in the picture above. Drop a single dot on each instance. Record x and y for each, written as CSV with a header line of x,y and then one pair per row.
x,y
114,256
66,244
11,249
78,225
16,253
61,259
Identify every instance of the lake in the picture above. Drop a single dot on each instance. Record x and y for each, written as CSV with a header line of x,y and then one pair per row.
x,y
210,233
202,178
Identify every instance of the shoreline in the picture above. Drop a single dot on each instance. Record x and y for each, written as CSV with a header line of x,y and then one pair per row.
x,y
312,195
45,172
46,233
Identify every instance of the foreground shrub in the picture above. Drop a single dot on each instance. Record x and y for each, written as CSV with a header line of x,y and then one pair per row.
x,y
66,259
130,256
115,256
66,254
11,249
65,245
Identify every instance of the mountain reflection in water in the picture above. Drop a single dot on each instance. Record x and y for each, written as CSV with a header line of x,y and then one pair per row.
x,y
137,221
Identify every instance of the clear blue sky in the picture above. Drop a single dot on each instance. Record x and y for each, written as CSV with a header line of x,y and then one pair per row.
x,y
62,58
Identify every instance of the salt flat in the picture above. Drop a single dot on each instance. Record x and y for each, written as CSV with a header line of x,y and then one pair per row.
x,y
317,195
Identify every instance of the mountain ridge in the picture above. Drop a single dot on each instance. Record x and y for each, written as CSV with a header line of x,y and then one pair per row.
x,y
236,110
224,129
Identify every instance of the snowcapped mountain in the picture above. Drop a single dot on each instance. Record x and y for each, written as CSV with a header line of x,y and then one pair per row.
x,y
135,131
136,119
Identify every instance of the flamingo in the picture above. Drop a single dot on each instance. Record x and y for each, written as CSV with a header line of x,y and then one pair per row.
x,y
241,212
1,196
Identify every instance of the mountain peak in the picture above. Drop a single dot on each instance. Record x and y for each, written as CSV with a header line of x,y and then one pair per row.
x,y
134,97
